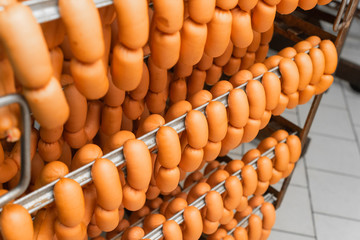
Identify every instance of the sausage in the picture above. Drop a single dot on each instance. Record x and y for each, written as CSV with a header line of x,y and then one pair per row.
x,y
302,46
219,234
138,162
264,170
266,144
216,43
269,215
243,204
256,201
261,188
76,140
240,233
294,145
324,84
133,199
169,15
255,227
226,217
133,22
238,108
84,32
106,220
247,61
233,192
193,39
221,88
272,61
126,67
192,223
32,65
177,109
200,98
197,191
50,151
64,232
286,6
69,200
307,4
152,221
177,91
195,82
150,123
53,110
318,60
54,33
141,90
169,152
205,62
251,130
244,213
232,139
158,77
307,94
165,48
305,67
283,102
241,32
191,158
266,37
167,179
213,74
258,69
280,135
225,57
232,66
247,5
255,43
175,206
239,52
263,16
289,75
234,166
226,5
107,183
214,206
314,40
250,179
111,119
196,129
52,171
240,78
217,120
57,58
217,177
132,108
288,52
13,218
44,224
85,155
272,87
171,230
276,176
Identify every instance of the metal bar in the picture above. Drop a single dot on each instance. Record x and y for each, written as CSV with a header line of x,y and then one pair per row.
x,y
25,169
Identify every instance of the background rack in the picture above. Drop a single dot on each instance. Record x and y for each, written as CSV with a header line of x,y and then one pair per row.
x,y
47,10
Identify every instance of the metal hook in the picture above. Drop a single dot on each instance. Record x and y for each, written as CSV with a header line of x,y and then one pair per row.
x,y
25,169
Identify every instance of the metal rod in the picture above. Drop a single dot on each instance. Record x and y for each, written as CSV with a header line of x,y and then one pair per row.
x,y
25,169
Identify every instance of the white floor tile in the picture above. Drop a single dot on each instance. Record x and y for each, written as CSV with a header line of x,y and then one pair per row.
x,y
357,129
333,154
277,235
236,153
294,214
336,228
334,96
299,175
291,116
354,107
330,121
349,92
334,194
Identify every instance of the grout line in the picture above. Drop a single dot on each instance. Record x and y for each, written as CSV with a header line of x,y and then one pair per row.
x,y
337,216
335,107
351,120
334,173
332,136
293,233
298,185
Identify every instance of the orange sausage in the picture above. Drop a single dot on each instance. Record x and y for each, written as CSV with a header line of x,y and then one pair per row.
x,y
247,5
137,157
307,94
177,109
85,155
248,60
265,119
250,179
266,144
226,4
240,78
182,69
283,102
233,192
330,54
214,206
57,59
318,60
217,121
107,183
178,90
227,217
133,22
232,66
225,57
282,157
54,32
51,172
117,140
84,32
167,179
213,74
287,6
106,220
193,177
196,81
305,67
243,204
198,190
288,52
111,119
158,77
221,88
314,40
250,155
165,48
307,4
272,61
324,84
175,206
205,62
289,75
152,221
261,53
293,100
126,67
238,108
220,23
133,199
294,145
64,232
217,177
168,15
192,223
258,69
132,108
263,17
261,188
240,233
171,230
196,129
156,102
49,151
193,39
255,43
53,110
44,224
267,36
272,87
269,215
32,65
234,166
141,90
115,96
257,100
302,46
264,170
13,218
255,227
169,152
69,200
191,158
241,32
232,139
239,52
207,10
